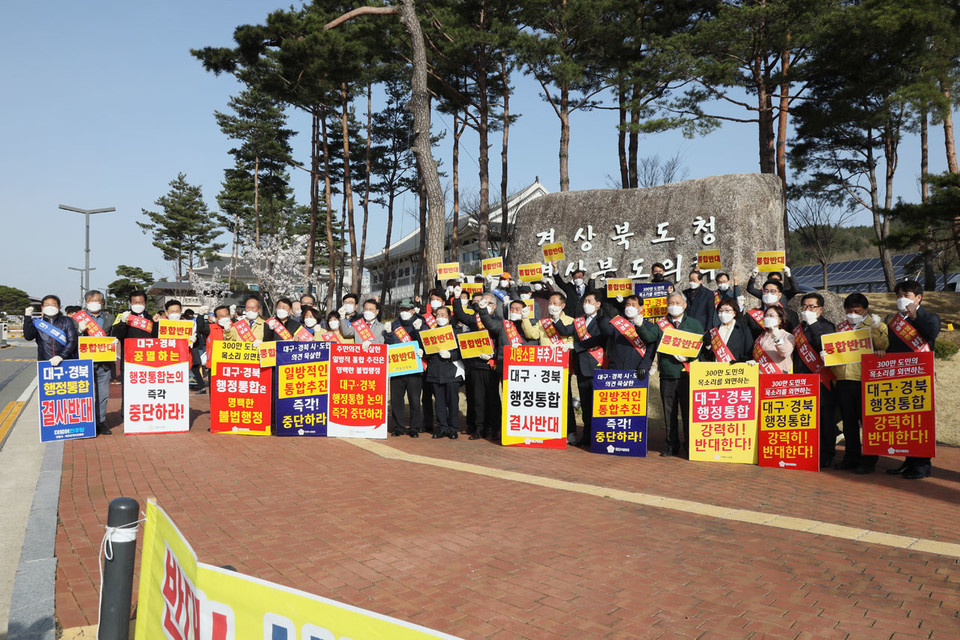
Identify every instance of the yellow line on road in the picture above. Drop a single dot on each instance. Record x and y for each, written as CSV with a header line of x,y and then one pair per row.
x,y
9,416
687,506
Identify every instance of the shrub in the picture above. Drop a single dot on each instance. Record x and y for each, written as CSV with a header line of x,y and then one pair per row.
x,y
944,350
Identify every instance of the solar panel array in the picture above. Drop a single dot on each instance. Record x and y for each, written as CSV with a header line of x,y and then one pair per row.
x,y
859,275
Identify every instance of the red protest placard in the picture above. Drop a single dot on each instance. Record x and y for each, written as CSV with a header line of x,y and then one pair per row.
x,y
240,399
899,416
789,422
358,391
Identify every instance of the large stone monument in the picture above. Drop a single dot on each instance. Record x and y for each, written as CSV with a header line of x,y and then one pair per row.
x,y
627,230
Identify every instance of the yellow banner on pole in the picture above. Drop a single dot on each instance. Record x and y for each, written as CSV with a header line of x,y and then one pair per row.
x,y
680,343
847,347
771,260
98,349
491,267
553,252
707,260
448,271
531,272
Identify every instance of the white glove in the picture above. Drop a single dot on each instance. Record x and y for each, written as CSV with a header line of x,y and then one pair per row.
x,y
366,345
203,359
124,316
56,360
419,352
28,312
485,356
755,272
387,327
823,355
638,321
457,290
233,310
256,343
193,338
567,346
681,358
775,332
342,312
786,271
619,298
525,312
875,321
492,279
83,326
752,363
444,354
417,324
741,300
461,277
204,310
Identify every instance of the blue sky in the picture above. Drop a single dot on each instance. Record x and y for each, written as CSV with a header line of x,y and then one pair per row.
x,y
104,105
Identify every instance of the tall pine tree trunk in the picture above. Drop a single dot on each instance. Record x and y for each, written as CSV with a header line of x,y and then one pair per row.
x,y
391,197
633,165
310,258
328,197
929,270
366,182
951,149
504,218
564,137
423,279
483,111
348,187
622,135
458,128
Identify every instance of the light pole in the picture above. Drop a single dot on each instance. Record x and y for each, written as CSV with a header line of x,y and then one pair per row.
x,y
87,213
86,270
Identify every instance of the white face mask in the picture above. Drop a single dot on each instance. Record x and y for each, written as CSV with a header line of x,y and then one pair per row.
x,y
173,316
854,318
631,312
771,323
554,310
770,298
436,304
50,310
442,322
369,316
675,310
726,316
694,285
333,324
589,309
537,287
524,296
94,307
903,303
251,315
349,308
723,286
137,308
515,317
809,316
282,314
504,284
224,322
578,282
310,323
406,315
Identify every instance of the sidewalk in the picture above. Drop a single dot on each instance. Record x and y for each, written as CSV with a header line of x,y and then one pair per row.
x,y
482,541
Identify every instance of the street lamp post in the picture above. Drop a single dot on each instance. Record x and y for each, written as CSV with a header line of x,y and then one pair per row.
x,y
86,271
87,213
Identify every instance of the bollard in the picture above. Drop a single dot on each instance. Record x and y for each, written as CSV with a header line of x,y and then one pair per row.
x,y
117,589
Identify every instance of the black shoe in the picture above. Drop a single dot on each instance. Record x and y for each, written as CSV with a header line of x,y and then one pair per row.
x,y
454,435
846,465
475,436
916,473
103,431
899,471
667,453
863,469
413,434
436,435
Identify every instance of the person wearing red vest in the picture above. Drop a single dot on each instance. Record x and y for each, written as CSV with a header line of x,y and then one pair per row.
x,y
215,332
927,326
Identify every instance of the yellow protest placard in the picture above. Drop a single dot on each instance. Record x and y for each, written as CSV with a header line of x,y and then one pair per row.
x,y
530,272
680,343
439,339
402,359
474,344
491,267
553,252
268,354
175,329
707,260
619,287
448,271
847,347
179,595
98,349
232,352
472,287
771,260
723,412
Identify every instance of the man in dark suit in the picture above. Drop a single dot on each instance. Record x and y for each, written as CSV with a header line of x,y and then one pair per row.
x,y
588,354
623,352
700,302
771,296
807,360
576,290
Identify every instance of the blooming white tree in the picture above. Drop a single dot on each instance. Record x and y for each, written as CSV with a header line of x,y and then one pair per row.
x,y
278,264
210,290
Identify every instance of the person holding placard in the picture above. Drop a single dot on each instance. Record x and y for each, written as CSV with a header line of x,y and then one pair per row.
x,y
250,327
134,322
482,384
310,320
544,332
726,289
370,317
333,325
772,296
94,321
625,350
575,290
674,378
55,333
730,341
912,329
808,339
788,286
773,349
281,326
410,387
588,355
444,372
849,390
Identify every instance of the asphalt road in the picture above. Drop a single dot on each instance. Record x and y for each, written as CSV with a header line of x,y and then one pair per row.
x,y
18,369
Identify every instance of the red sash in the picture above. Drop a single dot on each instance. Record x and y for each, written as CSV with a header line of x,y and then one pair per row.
x,y
628,331
139,322
244,331
663,323
93,329
716,298
429,318
480,326
329,336
363,329
757,315
763,361
844,326
720,349
551,332
811,358
580,324
303,335
402,334
279,329
512,334
906,332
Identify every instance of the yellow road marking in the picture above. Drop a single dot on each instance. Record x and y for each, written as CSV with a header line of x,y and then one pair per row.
x,y
9,416
687,506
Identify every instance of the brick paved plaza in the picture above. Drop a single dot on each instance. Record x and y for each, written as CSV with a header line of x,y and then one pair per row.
x,y
482,541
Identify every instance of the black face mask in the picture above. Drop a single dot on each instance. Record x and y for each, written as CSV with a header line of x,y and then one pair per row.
x,y
657,277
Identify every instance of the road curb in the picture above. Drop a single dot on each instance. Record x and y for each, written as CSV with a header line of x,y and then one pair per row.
x,y
33,600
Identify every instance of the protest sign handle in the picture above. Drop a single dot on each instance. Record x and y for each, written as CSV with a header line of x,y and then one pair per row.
x,y
119,551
